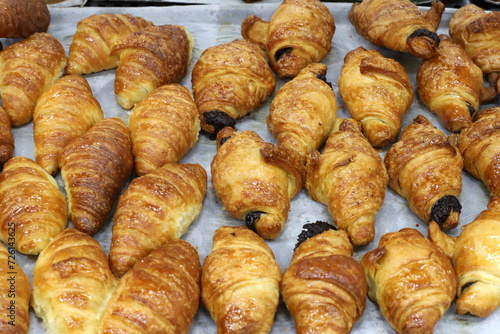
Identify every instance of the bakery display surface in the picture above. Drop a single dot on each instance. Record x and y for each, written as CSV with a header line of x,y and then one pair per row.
x,y
213,25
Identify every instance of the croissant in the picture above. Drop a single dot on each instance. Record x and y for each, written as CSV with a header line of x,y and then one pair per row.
x,y
451,86
299,33
229,81
94,169
303,112
149,58
71,284
164,126
155,208
255,180
240,282
65,111
27,68
324,288
478,32
425,168
160,294
22,18
6,138
31,204
94,38
15,293
412,281
398,25
377,92
349,176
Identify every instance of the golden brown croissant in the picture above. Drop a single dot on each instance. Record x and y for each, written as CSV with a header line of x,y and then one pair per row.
x,y
255,180
478,32
95,168
303,112
377,92
149,58
398,25
349,177
94,38
155,208
412,281
22,18
72,284
425,167
164,126
31,204
240,282
324,288
27,68
229,81
65,111
15,293
160,294
6,138
451,86
299,33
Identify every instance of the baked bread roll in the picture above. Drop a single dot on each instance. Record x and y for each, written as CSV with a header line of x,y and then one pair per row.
x,y
27,68
164,126
255,180
299,33
94,38
229,81
6,138
398,25
95,168
65,111
303,112
349,177
240,282
365,72
425,167
22,18
149,58
31,204
155,208
412,281
324,288
71,284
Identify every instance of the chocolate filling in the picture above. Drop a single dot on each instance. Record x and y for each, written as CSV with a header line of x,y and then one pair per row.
x,y
309,230
443,207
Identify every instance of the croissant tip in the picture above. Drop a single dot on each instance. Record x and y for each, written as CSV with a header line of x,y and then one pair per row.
x,y
445,212
312,229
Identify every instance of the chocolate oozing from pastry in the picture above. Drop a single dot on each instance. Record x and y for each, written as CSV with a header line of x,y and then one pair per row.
x,y
278,54
443,207
425,33
218,119
466,285
252,218
322,77
472,110
223,140
309,230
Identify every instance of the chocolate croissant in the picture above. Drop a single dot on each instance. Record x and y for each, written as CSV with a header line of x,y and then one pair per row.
x,y
425,168
31,205
95,168
324,288
255,180
303,112
72,284
27,68
412,281
22,18
398,25
155,208
240,282
229,81
6,138
94,39
299,33
65,111
377,92
164,126
349,177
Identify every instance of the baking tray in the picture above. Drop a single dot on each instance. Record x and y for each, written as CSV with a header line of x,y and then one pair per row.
x,y
221,24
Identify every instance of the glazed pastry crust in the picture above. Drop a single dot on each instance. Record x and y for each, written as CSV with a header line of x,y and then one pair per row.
x,y
6,138
377,92
22,18
299,33
160,294
240,282
155,208
32,204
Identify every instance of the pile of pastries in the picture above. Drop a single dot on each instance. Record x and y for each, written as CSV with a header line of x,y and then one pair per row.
x,y
132,172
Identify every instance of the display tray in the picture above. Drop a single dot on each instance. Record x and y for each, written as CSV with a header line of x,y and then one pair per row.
x,y
221,24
